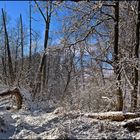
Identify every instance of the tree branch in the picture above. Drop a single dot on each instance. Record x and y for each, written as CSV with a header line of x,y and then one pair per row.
x,y
40,11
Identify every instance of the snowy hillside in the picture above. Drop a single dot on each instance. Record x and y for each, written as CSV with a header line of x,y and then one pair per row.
x,y
59,124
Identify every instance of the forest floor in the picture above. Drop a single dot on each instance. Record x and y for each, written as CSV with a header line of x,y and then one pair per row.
x,y
57,125
61,124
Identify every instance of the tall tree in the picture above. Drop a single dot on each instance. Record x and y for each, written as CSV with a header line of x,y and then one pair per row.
x,y
10,65
136,56
22,47
30,27
47,23
116,58
41,75
82,67
17,46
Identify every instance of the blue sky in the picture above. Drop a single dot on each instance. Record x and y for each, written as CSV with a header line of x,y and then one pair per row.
x,y
15,8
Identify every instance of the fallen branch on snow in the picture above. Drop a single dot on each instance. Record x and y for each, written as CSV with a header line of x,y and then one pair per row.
x,y
113,116
132,125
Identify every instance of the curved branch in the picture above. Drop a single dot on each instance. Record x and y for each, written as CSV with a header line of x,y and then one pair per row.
x,y
40,11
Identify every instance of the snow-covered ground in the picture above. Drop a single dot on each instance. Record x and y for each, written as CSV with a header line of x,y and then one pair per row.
x,y
58,124
37,123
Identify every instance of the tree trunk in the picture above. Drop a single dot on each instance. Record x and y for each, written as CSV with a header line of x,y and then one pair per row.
x,y
102,73
48,70
41,75
69,69
5,58
21,33
4,70
116,59
11,71
16,55
82,68
45,46
113,116
133,124
136,75
37,87
30,25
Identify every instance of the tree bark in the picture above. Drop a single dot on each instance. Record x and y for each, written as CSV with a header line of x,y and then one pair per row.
x,y
45,46
4,70
136,75
82,67
113,116
30,26
16,55
41,75
10,65
116,58
133,124
69,70
5,58
22,49
37,87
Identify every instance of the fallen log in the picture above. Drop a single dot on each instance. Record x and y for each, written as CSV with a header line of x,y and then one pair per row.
x,y
132,125
14,92
113,116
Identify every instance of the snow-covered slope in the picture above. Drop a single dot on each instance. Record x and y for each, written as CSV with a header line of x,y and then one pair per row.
x,y
58,124
32,122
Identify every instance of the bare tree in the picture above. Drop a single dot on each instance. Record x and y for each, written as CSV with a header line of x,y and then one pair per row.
x,y
136,56
21,37
10,65
82,66
17,47
30,27
116,57
42,67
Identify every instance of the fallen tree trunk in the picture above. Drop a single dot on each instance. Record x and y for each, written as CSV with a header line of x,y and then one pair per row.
x,y
113,116
14,92
132,125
